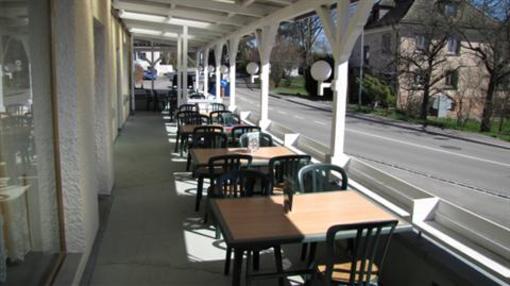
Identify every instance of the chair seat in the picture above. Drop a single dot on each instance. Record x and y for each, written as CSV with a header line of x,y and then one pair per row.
x,y
342,272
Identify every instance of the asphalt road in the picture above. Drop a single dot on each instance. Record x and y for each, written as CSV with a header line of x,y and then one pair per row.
x,y
472,175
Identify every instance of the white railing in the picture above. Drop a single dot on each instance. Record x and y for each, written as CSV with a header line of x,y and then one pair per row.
x,y
479,242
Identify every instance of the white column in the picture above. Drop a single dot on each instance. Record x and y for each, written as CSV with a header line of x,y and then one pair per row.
x,y
2,107
206,72
217,54
342,36
196,84
265,40
185,63
339,111
179,70
233,45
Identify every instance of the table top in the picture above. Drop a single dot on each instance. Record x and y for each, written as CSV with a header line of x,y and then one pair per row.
x,y
262,220
201,156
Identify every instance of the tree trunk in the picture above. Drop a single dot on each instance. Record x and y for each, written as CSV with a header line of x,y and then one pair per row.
x,y
485,125
424,105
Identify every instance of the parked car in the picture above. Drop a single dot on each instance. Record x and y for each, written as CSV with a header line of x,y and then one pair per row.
x,y
150,74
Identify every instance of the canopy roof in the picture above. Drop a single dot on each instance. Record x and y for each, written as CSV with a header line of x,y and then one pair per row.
x,y
208,21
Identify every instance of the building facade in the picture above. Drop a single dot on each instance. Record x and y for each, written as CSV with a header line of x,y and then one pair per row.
x,y
402,36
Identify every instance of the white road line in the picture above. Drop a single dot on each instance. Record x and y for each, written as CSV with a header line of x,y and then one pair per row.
x,y
298,117
320,122
281,112
429,148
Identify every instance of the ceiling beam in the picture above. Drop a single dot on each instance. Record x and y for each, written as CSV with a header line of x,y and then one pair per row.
x,y
255,10
247,3
170,41
166,10
213,31
159,27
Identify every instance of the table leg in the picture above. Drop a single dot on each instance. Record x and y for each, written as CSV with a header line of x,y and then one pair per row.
x,y
200,187
238,263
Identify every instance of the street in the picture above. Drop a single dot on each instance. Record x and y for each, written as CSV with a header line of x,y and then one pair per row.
x,y
472,175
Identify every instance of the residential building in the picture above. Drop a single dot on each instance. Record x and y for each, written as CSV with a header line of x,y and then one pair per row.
x,y
395,37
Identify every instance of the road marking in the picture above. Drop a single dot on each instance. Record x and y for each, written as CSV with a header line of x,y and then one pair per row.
x,y
429,148
281,112
299,117
320,122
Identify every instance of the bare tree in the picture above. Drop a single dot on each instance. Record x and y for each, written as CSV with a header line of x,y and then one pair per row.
x,y
422,62
304,33
284,58
487,37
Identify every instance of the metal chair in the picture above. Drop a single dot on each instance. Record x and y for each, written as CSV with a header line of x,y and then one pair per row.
x,y
286,167
369,245
265,140
238,131
242,184
196,132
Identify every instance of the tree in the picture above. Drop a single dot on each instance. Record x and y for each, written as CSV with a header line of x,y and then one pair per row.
x,y
422,62
304,33
487,37
284,58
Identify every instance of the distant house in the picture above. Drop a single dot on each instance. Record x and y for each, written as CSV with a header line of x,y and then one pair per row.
x,y
396,27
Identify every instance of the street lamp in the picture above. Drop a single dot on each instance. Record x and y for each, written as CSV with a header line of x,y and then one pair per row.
x,y
321,71
253,69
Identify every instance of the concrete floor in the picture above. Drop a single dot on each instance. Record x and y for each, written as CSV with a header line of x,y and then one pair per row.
x,y
153,236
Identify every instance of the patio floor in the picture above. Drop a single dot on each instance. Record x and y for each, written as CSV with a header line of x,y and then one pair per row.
x,y
153,236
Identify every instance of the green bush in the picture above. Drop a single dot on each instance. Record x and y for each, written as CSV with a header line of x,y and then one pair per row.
x,y
377,92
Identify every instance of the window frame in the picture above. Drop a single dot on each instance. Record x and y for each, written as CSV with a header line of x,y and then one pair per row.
x,y
451,79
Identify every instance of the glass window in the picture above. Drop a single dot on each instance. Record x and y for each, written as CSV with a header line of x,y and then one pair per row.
x,y
386,43
451,79
366,55
453,46
421,42
29,209
450,9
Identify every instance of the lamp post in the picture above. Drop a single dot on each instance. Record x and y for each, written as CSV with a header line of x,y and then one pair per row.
x,y
321,71
253,69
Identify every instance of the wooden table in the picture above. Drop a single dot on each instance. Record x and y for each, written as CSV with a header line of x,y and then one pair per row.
x,y
200,157
261,222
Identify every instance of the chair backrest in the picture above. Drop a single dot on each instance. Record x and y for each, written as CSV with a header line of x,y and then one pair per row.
x,y
238,131
229,119
322,178
227,163
283,168
265,140
188,107
215,106
208,128
241,183
369,247
209,140
191,118
215,115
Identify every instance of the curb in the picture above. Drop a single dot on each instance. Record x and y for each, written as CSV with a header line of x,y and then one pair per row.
x,y
394,124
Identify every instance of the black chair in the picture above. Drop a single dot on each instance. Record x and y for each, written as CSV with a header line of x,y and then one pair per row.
x,y
364,266
265,140
241,184
215,115
216,166
229,119
283,168
215,106
188,107
185,118
320,178
238,131
196,131
172,104
150,99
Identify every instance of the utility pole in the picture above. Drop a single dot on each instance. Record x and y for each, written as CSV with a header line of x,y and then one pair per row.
x,y
362,62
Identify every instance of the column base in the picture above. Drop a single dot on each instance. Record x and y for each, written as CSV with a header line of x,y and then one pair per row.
x,y
264,124
339,160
